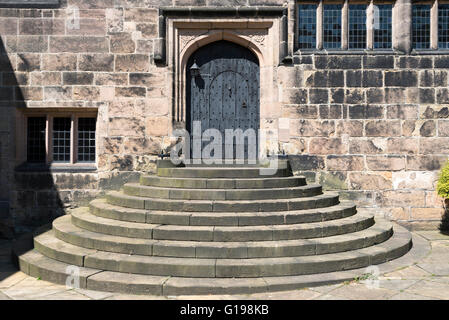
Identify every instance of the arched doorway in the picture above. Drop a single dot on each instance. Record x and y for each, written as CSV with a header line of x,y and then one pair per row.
x,y
224,95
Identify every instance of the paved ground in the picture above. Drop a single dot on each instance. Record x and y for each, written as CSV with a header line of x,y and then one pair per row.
x,y
428,279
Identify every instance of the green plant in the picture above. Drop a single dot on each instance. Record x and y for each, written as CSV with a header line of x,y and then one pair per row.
x,y
443,182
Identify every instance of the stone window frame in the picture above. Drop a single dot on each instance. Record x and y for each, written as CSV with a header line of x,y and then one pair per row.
x,y
344,26
433,24
21,134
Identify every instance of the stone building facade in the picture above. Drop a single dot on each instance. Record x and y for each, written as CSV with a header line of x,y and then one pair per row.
x,y
372,124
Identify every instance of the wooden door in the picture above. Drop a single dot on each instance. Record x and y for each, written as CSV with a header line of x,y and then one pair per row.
x,y
226,93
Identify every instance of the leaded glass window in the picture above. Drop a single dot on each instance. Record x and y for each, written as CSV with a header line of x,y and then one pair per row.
x,y
382,26
86,139
357,26
61,139
332,26
307,26
36,150
421,26
443,26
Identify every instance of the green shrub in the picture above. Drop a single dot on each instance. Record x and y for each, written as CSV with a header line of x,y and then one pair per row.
x,y
443,182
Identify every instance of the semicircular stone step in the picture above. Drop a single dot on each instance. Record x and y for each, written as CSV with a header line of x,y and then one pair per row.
x,y
37,265
236,183
84,219
208,172
101,208
124,200
136,189
69,243
394,247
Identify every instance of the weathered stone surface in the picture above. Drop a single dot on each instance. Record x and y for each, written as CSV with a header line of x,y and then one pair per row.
x,y
345,163
78,44
370,181
96,62
385,163
59,62
132,63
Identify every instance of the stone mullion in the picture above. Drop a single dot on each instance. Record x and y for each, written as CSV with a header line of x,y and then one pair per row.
x,y
344,25
370,26
319,26
434,25
402,26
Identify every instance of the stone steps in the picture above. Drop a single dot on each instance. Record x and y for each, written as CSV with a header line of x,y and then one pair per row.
x,y
236,183
101,208
67,242
214,230
85,220
136,189
124,200
232,172
396,246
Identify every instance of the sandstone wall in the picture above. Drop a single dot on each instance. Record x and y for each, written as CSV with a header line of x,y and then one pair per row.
x,y
376,127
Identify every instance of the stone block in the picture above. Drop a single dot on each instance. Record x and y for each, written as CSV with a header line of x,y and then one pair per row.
x,y
426,162
352,128
306,162
441,62
443,128
147,79
46,78
402,145
148,30
383,128
375,95
78,78
96,62
41,26
354,96
397,198
86,93
367,146
434,145
318,96
385,163
327,146
28,93
338,62
126,127
334,180
294,96
89,27
427,95
345,163
370,181
132,63
402,112
57,93
426,213
428,128
157,126
114,20
325,79
111,79
59,62
28,62
414,180
312,128
129,92
366,112
337,95
122,43
78,44
378,62
410,62
333,111
401,78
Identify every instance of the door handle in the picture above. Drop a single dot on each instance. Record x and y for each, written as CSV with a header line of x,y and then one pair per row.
x,y
230,91
244,105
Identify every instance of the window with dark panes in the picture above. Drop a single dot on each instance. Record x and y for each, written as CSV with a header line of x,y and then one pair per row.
x,y
61,139
307,26
357,26
382,26
36,150
86,139
421,26
332,26
443,26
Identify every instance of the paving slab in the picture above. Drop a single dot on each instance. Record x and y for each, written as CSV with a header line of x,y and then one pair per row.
x,y
10,279
360,291
433,235
95,295
31,288
65,295
413,272
432,289
4,296
410,296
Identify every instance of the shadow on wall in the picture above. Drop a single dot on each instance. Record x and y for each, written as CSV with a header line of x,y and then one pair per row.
x,y
28,196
